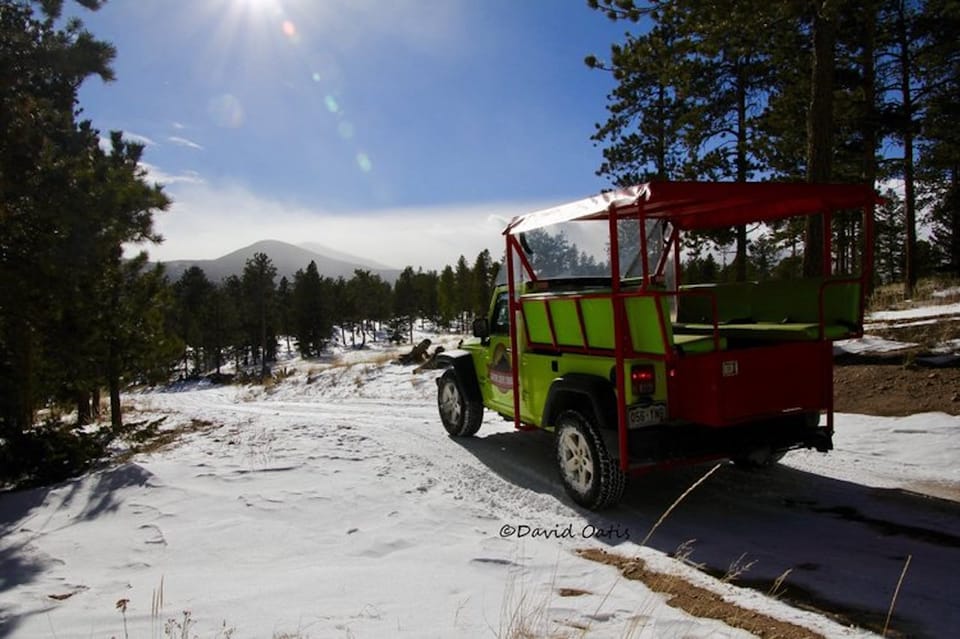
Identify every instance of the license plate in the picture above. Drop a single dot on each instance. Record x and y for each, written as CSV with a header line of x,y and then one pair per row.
x,y
639,416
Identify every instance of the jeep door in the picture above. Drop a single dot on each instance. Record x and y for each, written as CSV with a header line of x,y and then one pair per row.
x,y
496,372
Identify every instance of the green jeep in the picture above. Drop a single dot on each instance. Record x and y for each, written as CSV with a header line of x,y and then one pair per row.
x,y
634,371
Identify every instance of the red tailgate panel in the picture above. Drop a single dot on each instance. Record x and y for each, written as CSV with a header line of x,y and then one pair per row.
x,y
728,387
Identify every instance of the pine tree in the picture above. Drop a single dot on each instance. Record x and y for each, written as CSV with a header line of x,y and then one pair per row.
x,y
726,78
447,295
235,324
406,302
260,307
463,276
193,293
483,276
763,257
890,231
899,35
125,204
284,312
41,67
939,163
425,286
310,317
223,330
370,300
643,136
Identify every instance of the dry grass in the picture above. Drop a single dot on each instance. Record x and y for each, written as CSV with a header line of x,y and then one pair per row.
x,y
890,296
896,593
526,616
927,336
377,359
699,601
146,437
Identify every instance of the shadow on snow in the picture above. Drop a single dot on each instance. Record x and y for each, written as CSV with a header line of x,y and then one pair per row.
x,y
844,544
31,513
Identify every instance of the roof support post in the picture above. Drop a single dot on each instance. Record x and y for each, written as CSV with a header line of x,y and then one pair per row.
x,y
619,333
513,304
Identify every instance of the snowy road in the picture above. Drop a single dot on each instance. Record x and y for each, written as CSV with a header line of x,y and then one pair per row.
x,y
844,542
333,504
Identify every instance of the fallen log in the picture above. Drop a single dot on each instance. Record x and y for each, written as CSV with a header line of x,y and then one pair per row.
x,y
415,356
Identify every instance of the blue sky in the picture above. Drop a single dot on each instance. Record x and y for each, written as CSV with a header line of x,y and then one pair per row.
x,y
370,126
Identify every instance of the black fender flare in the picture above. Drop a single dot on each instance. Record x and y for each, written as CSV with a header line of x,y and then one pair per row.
x,y
592,390
461,362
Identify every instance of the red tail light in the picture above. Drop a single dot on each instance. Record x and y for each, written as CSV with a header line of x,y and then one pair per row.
x,y
643,379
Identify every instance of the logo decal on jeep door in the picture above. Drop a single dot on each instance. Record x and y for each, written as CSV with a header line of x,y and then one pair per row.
x,y
501,375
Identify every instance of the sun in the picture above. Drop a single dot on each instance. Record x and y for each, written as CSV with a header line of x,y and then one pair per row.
x,y
257,3
251,22
259,7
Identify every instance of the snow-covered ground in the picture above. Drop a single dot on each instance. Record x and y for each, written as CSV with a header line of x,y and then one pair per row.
x,y
332,504
942,310
929,315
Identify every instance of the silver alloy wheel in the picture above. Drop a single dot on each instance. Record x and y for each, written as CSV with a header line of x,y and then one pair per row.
x,y
450,404
576,460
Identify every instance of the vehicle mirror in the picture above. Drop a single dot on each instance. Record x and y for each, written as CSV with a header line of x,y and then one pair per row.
x,y
481,327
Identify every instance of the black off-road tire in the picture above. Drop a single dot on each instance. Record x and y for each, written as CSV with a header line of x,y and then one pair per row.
x,y
461,416
589,474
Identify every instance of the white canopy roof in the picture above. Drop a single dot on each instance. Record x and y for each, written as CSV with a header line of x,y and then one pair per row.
x,y
581,209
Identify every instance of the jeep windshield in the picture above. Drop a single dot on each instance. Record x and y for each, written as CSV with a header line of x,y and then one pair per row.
x,y
581,250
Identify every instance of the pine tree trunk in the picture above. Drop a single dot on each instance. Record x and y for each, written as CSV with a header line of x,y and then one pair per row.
x,y
742,169
116,415
23,409
819,127
113,382
910,253
95,403
84,412
263,338
869,99
954,230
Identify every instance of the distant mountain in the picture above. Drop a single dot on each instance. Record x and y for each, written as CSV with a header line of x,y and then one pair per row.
x,y
288,258
346,257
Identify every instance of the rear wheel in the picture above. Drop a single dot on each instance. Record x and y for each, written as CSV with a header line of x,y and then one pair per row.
x,y
589,474
461,416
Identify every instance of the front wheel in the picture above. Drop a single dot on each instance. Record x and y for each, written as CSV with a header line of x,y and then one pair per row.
x,y
461,416
589,475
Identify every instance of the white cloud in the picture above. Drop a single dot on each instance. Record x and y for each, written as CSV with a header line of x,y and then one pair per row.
x,y
207,221
156,174
179,141
106,145
139,139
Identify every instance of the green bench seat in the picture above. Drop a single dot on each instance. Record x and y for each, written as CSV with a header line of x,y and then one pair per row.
x,y
697,343
771,310
766,331
560,310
